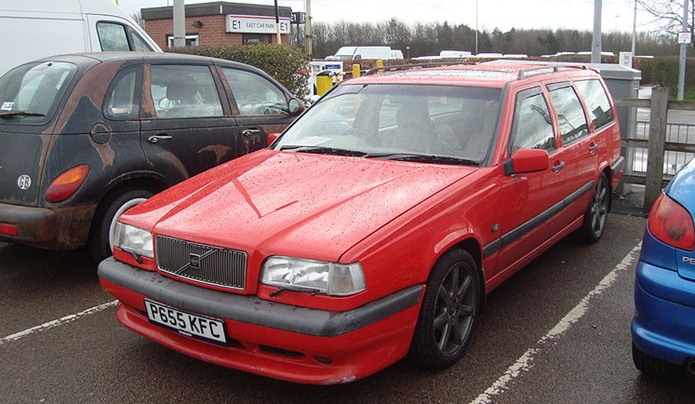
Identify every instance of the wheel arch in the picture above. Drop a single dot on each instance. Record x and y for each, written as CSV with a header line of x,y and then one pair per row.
x,y
144,182
474,248
609,176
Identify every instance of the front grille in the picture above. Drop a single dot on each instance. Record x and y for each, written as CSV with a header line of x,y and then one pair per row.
x,y
202,263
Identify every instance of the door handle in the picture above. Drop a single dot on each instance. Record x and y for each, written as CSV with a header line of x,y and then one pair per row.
x,y
593,147
250,132
156,138
559,165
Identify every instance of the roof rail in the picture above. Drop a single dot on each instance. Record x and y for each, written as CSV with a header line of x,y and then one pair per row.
x,y
414,66
523,73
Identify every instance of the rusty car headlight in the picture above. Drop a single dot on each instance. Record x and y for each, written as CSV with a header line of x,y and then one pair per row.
x,y
313,276
133,240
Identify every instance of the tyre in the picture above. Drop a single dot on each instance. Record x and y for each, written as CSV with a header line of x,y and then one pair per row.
x,y
655,367
448,312
108,212
596,214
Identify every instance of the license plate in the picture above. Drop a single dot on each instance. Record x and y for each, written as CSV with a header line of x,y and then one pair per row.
x,y
188,324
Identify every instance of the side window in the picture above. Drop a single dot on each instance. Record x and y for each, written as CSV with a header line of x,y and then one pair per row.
x,y
597,101
112,36
532,127
184,92
254,94
570,114
139,44
123,98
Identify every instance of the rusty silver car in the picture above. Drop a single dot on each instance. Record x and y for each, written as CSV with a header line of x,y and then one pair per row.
x,y
84,137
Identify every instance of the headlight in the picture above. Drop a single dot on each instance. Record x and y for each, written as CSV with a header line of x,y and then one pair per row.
x,y
313,276
133,240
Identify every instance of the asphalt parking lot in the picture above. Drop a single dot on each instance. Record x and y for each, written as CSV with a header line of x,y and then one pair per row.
x,y
558,331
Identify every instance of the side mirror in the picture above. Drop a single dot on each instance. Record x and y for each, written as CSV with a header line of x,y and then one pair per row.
x,y
272,137
527,161
295,106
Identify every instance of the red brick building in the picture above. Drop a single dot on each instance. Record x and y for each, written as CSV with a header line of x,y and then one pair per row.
x,y
219,23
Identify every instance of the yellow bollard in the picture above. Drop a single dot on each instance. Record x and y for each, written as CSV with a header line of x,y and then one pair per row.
x,y
379,64
324,82
355,71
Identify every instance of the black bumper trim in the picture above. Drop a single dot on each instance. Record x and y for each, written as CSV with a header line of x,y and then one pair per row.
x,y
251,309
618,165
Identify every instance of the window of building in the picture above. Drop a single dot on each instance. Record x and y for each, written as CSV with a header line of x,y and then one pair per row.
x,y
252,39
191,40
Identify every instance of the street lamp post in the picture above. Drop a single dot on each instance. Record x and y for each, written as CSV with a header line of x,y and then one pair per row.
x,y
476,27
683,54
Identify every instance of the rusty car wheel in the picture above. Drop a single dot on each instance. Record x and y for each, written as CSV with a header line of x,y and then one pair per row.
x,y
101,236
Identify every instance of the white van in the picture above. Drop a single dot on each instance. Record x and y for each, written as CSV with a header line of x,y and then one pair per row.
x,y
365,52
32,29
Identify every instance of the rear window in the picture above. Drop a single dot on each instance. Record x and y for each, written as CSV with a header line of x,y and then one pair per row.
x,y
30,93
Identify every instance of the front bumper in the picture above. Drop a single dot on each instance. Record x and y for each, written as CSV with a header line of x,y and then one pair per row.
x,y
60,228
287,342
664,322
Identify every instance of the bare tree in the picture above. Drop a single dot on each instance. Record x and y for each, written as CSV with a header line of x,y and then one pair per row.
x,y
137,17
670,14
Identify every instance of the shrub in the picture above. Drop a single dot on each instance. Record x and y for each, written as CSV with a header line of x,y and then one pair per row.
x,y
285,63
663,71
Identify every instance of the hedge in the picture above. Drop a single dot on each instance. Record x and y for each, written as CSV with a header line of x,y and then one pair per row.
x,y
284,62
663,71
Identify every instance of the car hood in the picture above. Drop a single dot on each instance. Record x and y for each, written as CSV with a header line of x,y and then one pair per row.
x,y
296,204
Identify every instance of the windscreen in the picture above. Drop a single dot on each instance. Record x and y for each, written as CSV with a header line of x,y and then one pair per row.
x,y
399,120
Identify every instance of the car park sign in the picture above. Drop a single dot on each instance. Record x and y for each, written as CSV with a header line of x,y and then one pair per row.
x,y
253,24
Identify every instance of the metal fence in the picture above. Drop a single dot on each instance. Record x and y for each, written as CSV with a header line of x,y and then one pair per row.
x,y
673,160
658,148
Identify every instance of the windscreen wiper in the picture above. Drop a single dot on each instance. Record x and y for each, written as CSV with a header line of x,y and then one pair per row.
x,y
324,150
423,158
9,114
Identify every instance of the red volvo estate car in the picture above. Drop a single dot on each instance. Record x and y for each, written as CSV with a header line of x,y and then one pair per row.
x,y
375,226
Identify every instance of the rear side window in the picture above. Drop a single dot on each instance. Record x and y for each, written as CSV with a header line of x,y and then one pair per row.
x,y
570,114
597,101
532,127
180,91
123,99
30,93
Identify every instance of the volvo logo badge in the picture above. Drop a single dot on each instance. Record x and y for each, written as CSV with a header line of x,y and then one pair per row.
x,y
195,260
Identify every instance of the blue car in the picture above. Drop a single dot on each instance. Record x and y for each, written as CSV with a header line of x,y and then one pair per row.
x,y
663,329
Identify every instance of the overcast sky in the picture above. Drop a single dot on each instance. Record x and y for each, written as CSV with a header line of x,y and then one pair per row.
x,y
502,14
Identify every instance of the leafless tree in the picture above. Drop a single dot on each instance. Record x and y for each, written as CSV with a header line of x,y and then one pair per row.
x,y
670,14
137,17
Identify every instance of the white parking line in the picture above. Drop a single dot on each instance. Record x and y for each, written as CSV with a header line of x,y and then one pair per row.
x,y
56,323
524,363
